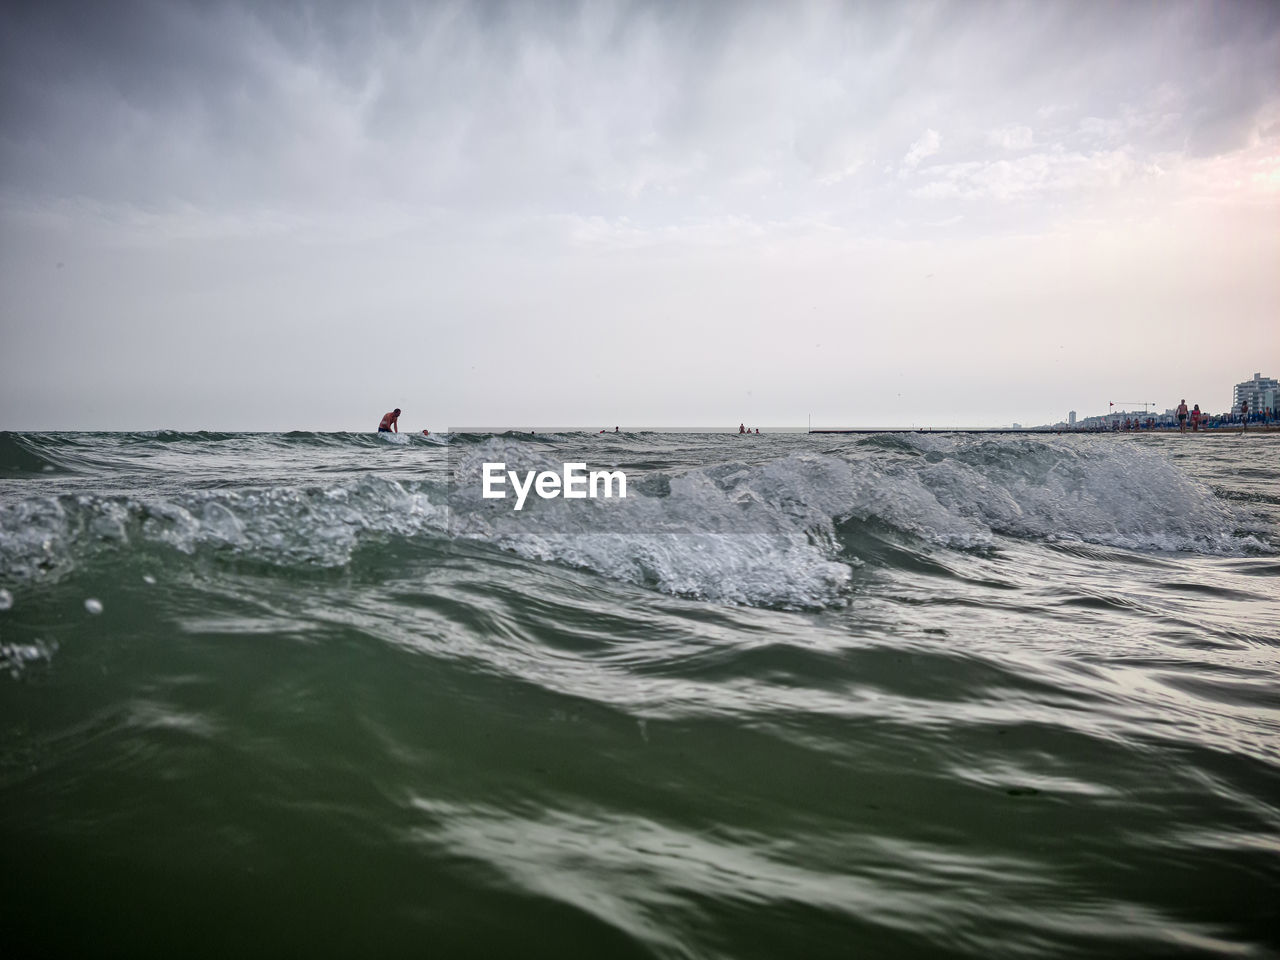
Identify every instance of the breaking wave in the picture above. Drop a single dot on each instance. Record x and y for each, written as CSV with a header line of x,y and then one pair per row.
x,y
766,533
962,494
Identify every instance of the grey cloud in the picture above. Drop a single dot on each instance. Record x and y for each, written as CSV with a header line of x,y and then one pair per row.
x,y
290,172
565,105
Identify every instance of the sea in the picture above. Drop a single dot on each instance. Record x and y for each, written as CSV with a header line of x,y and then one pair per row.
x,y
886,695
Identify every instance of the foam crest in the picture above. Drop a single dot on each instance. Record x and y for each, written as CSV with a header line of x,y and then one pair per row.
x,y
1113,494
731,532
765,533
284,526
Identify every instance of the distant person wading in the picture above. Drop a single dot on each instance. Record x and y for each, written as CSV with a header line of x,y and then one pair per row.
x,y
390,422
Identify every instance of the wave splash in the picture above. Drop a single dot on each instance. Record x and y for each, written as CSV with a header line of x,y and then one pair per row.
x,y
765,533
282,526
963,494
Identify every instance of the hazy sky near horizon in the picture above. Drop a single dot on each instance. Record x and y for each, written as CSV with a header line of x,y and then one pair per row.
x,y
234,215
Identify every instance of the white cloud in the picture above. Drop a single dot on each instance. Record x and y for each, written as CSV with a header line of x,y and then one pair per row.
x,y
1011,137
1034,174
930,142
1108,129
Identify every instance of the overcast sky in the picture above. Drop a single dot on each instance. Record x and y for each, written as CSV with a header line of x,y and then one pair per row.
x,y
298,215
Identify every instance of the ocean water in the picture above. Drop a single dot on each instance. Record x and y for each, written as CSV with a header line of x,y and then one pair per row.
x,y
795,696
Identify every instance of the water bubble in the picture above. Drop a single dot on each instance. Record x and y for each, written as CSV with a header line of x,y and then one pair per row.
x,y
148,579
6,600
93,605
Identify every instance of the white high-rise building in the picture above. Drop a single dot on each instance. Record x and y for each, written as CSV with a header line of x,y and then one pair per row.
x,y
1071,419
1261,392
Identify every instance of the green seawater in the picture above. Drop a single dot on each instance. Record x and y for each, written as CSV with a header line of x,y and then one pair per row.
x,y
797,696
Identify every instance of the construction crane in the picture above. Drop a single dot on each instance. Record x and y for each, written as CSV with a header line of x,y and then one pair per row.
x,y
1122,403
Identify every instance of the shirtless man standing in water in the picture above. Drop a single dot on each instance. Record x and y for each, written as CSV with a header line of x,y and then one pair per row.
x,y
390,422
1182,416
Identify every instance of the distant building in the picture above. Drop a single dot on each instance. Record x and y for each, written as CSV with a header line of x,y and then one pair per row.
x,y
1261,392
1071,419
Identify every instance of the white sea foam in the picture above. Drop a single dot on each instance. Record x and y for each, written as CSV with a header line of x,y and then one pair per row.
x,y
15,658
762,533
319,526
765,533
731,532
1117,495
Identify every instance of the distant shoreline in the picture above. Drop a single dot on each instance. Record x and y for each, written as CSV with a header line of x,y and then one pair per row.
x,y
1228,430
